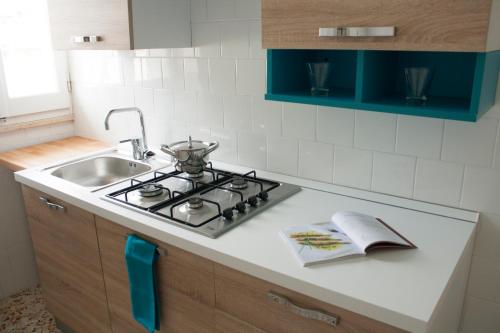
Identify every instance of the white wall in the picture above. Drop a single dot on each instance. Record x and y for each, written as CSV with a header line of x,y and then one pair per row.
x,y
17,266
215,91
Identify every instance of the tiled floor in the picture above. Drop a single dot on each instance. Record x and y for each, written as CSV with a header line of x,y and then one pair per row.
x,y
25,312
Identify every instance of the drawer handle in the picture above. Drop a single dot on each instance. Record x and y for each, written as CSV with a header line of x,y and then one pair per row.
x,y
329,319
52,205
86,39
357,32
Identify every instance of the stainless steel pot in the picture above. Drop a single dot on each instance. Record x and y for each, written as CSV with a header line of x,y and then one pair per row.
x,y
191,155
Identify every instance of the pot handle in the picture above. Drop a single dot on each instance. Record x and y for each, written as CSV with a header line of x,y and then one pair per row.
x,y
166,149
211,147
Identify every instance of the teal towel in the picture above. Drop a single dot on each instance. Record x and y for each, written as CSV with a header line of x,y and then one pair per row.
x,y
141,256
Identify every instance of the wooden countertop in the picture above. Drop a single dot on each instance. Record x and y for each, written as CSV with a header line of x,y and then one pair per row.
x,y
48,152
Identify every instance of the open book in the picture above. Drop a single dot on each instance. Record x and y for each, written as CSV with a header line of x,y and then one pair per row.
x,y
348,234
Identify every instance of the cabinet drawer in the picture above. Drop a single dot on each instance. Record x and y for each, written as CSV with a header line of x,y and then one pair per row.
x,y
185,284
451,25
246,298
51,210
225,323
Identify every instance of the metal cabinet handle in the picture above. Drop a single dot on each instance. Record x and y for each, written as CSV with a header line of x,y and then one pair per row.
x,y
357,32
52,205
329,319
86,39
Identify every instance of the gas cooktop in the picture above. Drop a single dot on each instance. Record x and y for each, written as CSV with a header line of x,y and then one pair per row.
x,y
209,203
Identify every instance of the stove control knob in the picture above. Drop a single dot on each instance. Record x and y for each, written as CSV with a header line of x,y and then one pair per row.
x,y
252,201
263,195
241,207
228,213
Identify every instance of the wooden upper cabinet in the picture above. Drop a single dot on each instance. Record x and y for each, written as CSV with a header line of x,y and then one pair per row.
x,y
445,25
119,24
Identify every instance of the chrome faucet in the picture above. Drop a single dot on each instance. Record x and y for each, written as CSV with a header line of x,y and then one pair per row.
x,y
139,145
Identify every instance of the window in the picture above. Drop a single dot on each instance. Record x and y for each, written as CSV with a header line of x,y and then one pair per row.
x,y
33,77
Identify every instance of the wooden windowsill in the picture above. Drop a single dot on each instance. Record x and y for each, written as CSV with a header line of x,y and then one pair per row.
x,y
15,126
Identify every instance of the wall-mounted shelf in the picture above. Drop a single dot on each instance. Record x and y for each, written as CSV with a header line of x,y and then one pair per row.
x,y
463,85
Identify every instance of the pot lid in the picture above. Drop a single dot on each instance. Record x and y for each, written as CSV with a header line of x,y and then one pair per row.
x,y
190,145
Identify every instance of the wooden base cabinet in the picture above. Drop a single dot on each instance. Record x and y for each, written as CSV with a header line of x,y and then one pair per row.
x,y
248,298
81,263
185,285
68,261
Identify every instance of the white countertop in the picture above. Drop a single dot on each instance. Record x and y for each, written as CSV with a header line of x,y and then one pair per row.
x,y
401,288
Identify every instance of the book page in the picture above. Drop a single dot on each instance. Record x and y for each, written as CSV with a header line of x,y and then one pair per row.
x,y
366,230
319,243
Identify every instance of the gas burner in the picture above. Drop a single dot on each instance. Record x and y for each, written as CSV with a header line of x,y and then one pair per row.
x,y
209,202
194,203
239,183
150,190
195,175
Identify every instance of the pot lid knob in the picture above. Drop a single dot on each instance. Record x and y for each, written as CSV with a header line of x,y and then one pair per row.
x,y
190,144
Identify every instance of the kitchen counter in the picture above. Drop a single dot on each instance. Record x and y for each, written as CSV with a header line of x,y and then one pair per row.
x,y
50,152
415,290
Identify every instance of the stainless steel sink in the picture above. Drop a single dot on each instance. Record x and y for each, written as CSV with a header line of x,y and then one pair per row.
x,y
100,170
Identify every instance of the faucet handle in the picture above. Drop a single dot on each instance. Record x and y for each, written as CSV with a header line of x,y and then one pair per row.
x,y
138,148
134,140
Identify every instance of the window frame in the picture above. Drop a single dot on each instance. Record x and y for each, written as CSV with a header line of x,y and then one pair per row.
x,y
12,107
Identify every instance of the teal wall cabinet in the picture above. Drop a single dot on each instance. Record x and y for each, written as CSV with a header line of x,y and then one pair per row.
x,y
463,85
458,39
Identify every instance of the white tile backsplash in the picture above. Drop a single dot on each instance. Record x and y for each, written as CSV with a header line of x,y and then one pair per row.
x,y
210,110
227,37
481,189
419,136
196,74
185,107
316,161
299,121
375,131
132,71
470,143
252,150
282,155
353,167
228,141
173,73
393,174
255,35
266,116
222,76
250,77
237,112
335,125
438,181
151,73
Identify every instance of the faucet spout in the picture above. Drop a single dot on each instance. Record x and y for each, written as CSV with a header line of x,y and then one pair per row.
x,y
144,145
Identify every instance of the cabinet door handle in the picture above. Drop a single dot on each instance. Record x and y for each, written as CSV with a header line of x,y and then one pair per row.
x,y
329,319
86,39
52,205
357,32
